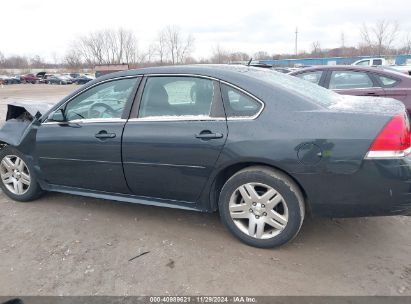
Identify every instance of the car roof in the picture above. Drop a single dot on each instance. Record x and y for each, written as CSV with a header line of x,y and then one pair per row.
x,y
378,70
264,84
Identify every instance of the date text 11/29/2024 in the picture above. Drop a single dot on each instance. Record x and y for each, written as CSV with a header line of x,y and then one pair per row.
x,y
203,299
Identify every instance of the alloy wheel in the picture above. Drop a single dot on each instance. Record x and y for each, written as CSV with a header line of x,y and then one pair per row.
x,y
258,210
15,174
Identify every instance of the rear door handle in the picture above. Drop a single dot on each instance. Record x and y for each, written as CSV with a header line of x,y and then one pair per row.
x,y
104,135
208,135
371,93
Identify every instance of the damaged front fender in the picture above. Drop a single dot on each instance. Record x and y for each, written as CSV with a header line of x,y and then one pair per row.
x,y
19,119
14,131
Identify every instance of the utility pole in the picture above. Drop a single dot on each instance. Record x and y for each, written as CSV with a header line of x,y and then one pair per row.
x,y
296,41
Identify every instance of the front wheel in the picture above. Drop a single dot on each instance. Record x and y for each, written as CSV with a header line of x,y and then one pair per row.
x,y
18,180
262,207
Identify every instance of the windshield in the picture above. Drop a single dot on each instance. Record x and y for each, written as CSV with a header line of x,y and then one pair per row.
x,y
313,92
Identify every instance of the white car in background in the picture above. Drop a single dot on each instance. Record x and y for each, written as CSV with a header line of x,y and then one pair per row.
x,y
406,69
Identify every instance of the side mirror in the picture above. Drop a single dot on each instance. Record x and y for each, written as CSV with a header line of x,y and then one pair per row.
x,y
57,116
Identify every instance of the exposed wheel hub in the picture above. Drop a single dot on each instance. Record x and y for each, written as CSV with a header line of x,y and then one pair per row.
x,y
258,209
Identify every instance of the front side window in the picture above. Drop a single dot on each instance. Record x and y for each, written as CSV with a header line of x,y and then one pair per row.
x,y
239,104
350,80
313,77
177,97
103,101
364,62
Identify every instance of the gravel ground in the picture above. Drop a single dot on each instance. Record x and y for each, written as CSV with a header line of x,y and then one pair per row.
x,y
68,245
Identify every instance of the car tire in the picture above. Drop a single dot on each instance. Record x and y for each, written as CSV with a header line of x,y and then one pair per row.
x,y
30,189
262,207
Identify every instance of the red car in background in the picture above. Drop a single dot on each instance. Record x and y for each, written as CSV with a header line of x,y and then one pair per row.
x,y
29,78
360,81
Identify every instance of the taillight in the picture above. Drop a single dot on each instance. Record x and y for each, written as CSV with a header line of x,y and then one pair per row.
x,y
394,140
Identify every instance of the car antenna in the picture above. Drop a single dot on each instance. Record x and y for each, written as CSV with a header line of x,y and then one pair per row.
x,y
249,61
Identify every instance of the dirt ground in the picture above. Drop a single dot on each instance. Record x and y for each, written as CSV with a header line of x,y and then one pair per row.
x,y
68,245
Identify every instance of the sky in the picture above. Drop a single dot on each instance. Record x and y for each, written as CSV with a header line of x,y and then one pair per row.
x,y
48,27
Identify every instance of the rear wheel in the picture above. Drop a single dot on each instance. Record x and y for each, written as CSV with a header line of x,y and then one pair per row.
x,y
262,207
17,177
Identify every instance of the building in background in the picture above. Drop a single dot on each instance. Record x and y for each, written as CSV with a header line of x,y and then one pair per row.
x,y
103,69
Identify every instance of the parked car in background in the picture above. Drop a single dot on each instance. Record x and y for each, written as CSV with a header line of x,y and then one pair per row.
x,y
360,81
5,79
29,78
82,79
15,79
74,75
58,79
371,62
282,70
263,148
383,63
44,77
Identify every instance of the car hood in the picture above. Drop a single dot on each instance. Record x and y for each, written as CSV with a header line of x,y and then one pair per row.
x,y
21,115
17,109
365,104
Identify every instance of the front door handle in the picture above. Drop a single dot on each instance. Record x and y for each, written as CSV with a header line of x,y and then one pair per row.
x,y
105,135
208,135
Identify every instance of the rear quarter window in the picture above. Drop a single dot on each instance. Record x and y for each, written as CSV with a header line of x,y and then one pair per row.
x,y
239,104
388,81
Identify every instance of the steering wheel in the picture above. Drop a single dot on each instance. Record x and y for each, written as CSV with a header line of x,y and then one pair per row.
x,y
97,110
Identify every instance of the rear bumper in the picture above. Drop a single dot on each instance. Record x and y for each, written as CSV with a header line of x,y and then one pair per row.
x,y
378,188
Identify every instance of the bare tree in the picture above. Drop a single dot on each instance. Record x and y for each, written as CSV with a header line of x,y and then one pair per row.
x,y
72,59
16,62
2,59
406,49
316,48
380,36
239,56
107,47
220,55
160,47
171,44
261,55
37,61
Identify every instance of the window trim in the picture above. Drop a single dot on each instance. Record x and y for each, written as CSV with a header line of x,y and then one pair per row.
x,y
95,120
311,72
137,103
380,82
134,115
255,116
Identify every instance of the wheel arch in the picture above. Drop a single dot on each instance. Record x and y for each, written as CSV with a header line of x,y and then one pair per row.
x,y
225,173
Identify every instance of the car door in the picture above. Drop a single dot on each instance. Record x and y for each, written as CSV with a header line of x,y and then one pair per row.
x,y
80,144
175,137
350,82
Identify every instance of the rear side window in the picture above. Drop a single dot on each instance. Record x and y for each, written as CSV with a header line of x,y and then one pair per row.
x,y
239,104
313,77
342,80
388,81
177,97
377,62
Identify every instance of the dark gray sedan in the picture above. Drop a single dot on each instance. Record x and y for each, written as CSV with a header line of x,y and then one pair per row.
x,y
263,148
